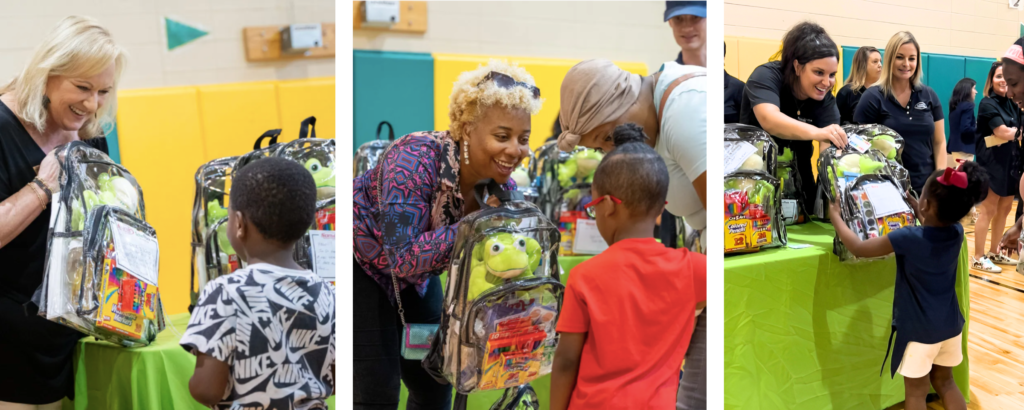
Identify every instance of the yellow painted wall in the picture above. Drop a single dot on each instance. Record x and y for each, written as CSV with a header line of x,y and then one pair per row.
x,y
547,72
165,134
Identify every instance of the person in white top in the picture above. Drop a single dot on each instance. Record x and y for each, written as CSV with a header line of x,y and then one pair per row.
x,y
671,107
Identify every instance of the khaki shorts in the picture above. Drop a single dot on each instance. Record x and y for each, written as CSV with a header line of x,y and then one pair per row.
x,y
919,357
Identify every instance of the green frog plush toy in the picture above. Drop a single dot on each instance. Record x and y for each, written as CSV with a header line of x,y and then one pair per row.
x,y
113,190
324,178
579,167
501,257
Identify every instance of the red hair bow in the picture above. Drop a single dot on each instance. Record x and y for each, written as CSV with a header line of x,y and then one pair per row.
x,y
953,177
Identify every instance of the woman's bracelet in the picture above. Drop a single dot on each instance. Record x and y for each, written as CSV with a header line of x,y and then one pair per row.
x,y
42,186
39,195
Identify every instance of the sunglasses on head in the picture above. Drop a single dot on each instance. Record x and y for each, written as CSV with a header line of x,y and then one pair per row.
x,y
507,82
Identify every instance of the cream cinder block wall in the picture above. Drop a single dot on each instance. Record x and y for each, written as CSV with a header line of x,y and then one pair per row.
x,y
618,31
218,57
979,28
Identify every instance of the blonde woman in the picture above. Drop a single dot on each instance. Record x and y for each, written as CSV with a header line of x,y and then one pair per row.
x,y
427,179
865,71
65,93
899,101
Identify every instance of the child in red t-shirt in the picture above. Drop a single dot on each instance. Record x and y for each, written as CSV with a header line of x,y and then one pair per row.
x,y
628,313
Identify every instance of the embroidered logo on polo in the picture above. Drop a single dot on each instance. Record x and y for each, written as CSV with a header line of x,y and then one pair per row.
x,y
921,106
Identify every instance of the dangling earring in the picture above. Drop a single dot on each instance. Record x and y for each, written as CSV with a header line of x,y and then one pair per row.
x,y
465,150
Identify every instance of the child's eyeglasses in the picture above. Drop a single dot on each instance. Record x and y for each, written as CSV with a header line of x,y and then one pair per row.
x,y
593,204
505,81
590,207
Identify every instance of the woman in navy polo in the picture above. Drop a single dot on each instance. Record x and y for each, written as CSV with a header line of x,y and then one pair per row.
x,y
899,101
998,151
792,100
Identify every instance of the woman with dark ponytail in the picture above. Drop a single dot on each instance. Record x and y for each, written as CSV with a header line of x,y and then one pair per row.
x,y
929,326
792,100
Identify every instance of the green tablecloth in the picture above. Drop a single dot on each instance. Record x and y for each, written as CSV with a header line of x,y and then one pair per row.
x,y
154,377
805,331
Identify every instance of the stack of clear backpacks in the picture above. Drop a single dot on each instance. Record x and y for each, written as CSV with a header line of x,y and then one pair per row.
x,y
102,263
872,200
212,254
502,298
753,206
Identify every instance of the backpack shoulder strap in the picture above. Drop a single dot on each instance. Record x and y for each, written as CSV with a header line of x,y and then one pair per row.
x,y
672,87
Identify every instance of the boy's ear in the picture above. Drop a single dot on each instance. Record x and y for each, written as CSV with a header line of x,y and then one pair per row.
x,y
240,231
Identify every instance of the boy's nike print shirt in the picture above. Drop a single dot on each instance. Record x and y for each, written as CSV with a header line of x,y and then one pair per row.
x,y
274,328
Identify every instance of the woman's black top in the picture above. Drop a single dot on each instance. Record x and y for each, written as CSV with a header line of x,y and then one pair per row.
x,y
35,354
766,85
1001,161
962,127
847,99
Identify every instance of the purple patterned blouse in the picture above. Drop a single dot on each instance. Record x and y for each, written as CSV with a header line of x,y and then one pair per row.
x,y
417,179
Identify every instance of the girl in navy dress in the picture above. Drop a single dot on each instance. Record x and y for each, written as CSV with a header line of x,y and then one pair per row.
x,y
927,320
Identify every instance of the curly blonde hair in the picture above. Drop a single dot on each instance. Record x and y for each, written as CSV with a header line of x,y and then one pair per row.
x,y
78,46
468,101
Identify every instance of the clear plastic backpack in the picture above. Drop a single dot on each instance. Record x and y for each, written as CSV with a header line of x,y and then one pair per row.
x,y
873,202
753,204
102,263
502,298
369,153
317,156
212,254
518,398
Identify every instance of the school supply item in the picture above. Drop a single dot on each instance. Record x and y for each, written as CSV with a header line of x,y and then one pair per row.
x,y
368,154
754,217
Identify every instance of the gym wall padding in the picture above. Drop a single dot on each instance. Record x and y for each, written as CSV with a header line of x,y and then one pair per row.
x,y
547,73
977,69
299,99
393,87
165,134
231,114
944,71
732,60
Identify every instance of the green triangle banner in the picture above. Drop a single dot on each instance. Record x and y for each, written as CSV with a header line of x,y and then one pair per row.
x,y
179,34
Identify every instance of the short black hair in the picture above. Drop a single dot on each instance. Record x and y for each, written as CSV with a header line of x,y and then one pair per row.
x,y
278,196
955,202
633,171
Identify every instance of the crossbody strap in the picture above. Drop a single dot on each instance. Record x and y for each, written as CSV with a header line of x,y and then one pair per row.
x,y
671,87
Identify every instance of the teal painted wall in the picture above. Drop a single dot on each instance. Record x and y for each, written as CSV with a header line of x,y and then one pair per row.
x,y
393,87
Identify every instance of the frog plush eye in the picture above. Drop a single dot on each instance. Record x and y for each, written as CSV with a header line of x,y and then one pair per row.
x,y
521,244
497,248
314,167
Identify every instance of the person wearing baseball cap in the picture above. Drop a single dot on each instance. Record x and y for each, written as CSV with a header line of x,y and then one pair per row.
x,y
687,19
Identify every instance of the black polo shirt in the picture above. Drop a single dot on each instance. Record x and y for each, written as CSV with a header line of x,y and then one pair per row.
x,y
846,100
766,85
733,98
1001,161
914,122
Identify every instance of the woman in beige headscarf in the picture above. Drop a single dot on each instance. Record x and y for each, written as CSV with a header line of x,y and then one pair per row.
x,y
671,106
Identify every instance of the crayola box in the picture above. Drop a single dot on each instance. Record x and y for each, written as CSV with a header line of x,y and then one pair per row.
x,y
325,219
747,232
126,302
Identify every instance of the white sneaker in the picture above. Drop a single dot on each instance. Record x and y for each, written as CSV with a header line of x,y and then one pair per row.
x,y
1001,259
985,265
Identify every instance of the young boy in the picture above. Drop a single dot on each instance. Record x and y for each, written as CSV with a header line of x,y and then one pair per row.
x,y
628,313
263,336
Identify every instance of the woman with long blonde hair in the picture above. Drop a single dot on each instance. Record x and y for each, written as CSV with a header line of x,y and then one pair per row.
x,y
865,71
65,93
900,101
